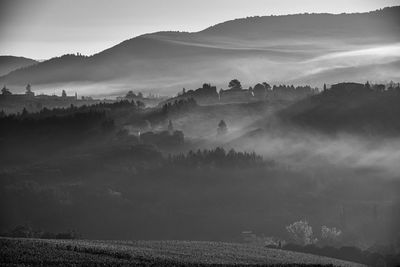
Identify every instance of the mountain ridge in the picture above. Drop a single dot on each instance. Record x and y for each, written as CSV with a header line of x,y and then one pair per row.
x,y
10,63
248,48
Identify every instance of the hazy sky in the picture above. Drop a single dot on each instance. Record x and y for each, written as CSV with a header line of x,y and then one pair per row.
x,y
41,29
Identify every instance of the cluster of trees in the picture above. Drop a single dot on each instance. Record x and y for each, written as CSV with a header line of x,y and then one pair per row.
x,y
119,104
178,105
235,92
301,233
132,95
158,115
392,87
348,253
235,84
351,89
351,107
302,239
102,106
217,157
207,90
291,89
262,90
73,120
5,91
164,138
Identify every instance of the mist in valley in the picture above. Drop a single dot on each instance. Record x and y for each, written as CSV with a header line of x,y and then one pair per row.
x,y
276,132
140,195
313,64
296,49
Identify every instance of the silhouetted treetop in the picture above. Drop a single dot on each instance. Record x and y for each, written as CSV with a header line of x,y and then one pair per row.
x,y
235,84
222,128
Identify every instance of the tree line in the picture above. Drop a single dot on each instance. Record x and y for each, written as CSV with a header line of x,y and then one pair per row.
x,y
71,120
217,157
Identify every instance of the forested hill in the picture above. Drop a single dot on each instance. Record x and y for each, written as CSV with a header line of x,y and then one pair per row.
x,y
349,107
11,63
374,26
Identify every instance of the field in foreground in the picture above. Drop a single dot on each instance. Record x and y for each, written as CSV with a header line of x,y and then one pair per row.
x,y
36,252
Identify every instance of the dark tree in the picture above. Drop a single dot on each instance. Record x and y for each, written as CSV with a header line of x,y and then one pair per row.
x,y
5,91
367,86
170,127
130,94
379,88
28,91
24,112
259,90
206,86
235,84
64,94
140,104
178,137
222,128
267,86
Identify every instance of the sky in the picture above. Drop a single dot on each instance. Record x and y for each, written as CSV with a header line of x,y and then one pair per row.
x,y
41,29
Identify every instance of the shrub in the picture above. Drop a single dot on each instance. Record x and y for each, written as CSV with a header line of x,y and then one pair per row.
x,y
330,236
301,233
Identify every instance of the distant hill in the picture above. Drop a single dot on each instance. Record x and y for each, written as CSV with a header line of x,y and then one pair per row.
x,y
152,253
349,107
11,63
374,26
302,48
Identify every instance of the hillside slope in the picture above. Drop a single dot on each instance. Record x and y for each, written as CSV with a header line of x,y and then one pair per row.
x,y
348,107
275,48
151,253
10,63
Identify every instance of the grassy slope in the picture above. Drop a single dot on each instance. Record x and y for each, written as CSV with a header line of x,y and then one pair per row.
x,y
145,253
